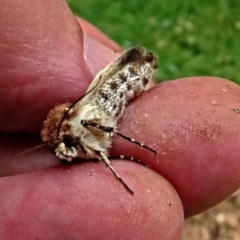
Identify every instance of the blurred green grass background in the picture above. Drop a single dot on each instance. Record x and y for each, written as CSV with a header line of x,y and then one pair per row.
x,y
191,38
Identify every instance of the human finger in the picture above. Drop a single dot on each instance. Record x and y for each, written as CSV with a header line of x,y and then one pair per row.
x,y
192,125
85,201
43,64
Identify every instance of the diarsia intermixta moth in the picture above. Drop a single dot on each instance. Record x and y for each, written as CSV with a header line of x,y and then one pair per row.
x,y
85,128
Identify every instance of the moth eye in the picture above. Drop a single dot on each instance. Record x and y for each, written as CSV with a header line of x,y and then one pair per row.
x,y
68,140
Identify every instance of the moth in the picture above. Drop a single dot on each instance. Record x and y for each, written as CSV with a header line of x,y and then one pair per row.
x,y
85,128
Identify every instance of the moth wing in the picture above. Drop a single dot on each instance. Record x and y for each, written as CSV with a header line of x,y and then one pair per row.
x,y
134,54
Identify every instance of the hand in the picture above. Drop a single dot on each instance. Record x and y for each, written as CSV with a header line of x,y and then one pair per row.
x,y
47,57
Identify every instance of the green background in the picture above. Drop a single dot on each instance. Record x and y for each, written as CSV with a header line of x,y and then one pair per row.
x,y
191,38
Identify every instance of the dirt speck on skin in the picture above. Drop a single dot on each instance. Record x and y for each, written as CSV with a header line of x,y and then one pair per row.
x,y
219,223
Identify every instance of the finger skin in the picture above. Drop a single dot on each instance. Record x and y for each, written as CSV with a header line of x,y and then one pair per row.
x,y
87,202
192,125
37,50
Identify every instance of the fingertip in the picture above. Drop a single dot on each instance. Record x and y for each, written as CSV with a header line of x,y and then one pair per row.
x,y
190,122
87,197
42,63
99,36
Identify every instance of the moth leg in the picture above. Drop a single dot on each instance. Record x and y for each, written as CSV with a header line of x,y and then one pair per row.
x,y
129,158
134,141
105,159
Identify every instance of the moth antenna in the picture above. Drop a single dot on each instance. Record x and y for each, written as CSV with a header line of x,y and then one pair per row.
x,y
87,123
135,142
91,123
109,165
30,150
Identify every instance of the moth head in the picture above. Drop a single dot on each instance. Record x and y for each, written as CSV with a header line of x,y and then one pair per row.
x,y
55,133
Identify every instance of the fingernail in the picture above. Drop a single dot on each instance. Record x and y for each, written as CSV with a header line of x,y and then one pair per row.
x,y
97,55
